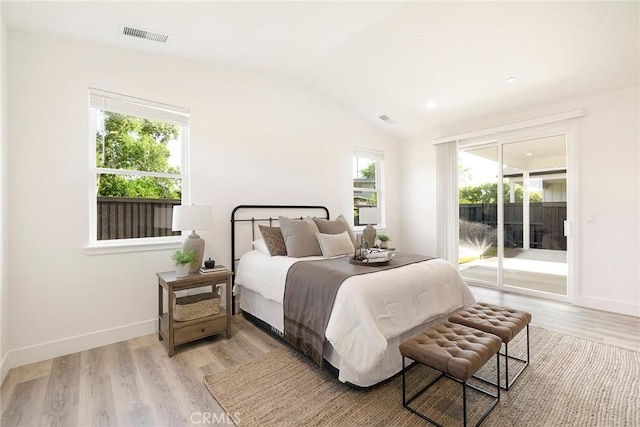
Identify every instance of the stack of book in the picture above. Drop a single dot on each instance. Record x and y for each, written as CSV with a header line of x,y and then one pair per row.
x,y
216,269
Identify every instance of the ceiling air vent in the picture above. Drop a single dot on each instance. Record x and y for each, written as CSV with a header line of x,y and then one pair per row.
x,y
386,119
144,34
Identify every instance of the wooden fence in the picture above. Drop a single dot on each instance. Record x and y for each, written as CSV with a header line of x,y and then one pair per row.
x,y
546,222
128,217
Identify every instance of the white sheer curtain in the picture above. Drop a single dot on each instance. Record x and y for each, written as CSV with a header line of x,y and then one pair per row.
x,y
447,200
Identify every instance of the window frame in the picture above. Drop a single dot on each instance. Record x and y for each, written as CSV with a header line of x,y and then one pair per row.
x,y
149,110
378,158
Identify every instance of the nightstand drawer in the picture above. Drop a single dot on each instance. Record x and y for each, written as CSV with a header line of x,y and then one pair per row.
x,y
190,333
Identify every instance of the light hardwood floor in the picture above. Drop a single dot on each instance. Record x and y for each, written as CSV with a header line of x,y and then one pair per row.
x,y
134,382
600,326
130,383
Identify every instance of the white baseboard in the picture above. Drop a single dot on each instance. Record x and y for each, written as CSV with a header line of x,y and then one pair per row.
x,y
36,353
621,307
3,369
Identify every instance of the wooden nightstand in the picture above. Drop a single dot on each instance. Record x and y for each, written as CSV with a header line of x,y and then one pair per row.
x,y
176,333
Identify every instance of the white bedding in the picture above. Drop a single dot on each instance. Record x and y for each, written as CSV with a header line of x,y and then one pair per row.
x,y
370,310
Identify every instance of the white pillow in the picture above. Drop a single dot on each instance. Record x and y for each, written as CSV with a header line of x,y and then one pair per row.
x,y
261,246
335,244
340,224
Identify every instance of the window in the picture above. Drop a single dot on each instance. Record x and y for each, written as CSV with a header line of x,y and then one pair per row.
x,y
368,170
138,168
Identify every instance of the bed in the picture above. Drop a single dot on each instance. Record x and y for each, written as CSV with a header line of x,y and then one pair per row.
x,y
371,314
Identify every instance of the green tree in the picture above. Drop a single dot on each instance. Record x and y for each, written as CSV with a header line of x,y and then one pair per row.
x,y
488,193
535,196
373,200
136,144
483,193
369,172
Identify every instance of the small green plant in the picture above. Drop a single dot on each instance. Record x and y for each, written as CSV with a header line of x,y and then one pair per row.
x,y
383,238
184,257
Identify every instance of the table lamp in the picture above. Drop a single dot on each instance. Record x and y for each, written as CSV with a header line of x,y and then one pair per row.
x,y
192,217
369,216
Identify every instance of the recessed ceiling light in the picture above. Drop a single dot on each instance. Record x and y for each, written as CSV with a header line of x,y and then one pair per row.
x,y
432,105
511,79
529,154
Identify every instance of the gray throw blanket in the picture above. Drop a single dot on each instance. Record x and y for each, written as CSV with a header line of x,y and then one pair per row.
x,y
309,293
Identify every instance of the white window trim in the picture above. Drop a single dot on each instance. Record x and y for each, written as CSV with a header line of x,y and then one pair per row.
x,y
100,247
378,157
134,106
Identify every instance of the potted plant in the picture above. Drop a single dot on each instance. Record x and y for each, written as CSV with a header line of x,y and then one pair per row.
x,y
183,260
383,241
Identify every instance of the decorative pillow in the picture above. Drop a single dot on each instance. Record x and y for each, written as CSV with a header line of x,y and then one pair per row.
x,y
338,226
274,240
261,246
300,236
335,244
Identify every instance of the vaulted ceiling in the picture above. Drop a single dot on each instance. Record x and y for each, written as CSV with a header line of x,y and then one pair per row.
x,y
382,58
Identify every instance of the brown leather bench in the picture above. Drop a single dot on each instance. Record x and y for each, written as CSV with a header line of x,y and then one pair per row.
x,y
456,351
503,322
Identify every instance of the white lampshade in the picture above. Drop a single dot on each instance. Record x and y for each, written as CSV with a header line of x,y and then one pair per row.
x,y
191,217
369,216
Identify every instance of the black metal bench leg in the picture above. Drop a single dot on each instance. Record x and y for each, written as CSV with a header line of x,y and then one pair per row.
x,y
465,385
404,393
507,357
464,403
527,343
498,374
506,367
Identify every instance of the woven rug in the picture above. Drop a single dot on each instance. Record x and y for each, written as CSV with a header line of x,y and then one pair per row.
x,y
570,381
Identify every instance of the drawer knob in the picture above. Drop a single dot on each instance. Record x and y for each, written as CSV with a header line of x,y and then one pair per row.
x,y
202,330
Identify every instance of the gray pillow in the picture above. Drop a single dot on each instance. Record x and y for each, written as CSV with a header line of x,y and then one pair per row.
x,y
300,236
339,225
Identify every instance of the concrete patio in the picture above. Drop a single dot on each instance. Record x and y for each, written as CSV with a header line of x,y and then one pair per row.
x,y
535,269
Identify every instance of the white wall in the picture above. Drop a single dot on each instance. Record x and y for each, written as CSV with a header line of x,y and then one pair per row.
x,y
418,200
254,139
4,283
608,189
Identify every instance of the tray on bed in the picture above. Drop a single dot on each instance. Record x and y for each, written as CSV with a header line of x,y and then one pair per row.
x,y
372,261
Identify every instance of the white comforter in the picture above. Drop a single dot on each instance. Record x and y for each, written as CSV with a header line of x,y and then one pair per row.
x,y
369,309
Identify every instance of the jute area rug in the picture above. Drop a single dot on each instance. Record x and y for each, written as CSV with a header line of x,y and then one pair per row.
x,y
570,382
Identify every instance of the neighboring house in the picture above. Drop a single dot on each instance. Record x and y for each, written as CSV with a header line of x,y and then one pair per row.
x,y
363,200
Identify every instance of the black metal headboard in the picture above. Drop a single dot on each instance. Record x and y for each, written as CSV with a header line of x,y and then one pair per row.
x,y
249,217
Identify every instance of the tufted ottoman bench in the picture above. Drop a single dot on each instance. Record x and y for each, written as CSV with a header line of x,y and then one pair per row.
x,y
503,322
456,351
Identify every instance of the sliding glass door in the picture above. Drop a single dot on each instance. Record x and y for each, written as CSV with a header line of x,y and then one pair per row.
x,y
512,212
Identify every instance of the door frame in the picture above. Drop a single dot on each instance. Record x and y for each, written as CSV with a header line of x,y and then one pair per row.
x,y
568,128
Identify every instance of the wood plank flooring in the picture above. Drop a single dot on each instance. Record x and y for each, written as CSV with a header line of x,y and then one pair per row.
x,y
600,326
135,383
130,383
